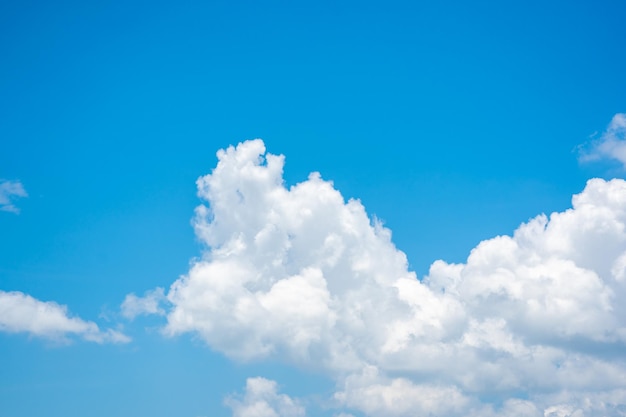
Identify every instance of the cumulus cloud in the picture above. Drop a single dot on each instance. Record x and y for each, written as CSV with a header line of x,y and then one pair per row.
x,y
21,313
262,399
568,404
9,192
150,303
300,274
610,145
376,395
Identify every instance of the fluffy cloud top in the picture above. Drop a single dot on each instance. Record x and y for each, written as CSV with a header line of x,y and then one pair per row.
x,y
532,324
612,143
262,399
9,191
21,313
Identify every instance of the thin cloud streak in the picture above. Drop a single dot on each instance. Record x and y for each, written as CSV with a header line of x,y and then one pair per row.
x,y
21,313
611,145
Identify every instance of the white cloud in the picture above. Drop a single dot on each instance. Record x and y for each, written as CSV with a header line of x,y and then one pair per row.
x,y
9,191
301,275
611,144
21,313
556,278
376,395
150,303
568,404
262,399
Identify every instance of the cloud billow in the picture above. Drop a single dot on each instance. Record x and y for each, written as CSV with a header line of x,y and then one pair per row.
x,y
262,399
527,326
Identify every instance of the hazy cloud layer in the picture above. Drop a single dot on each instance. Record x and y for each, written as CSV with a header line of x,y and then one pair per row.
x,y
531,325
9,192
21,313
611,144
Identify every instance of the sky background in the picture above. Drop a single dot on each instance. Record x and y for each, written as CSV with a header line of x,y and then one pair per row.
x,y
452,122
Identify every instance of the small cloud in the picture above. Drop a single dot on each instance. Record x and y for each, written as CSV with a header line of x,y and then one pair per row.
x,y
610,145
262,399
150,303
21,313
9,191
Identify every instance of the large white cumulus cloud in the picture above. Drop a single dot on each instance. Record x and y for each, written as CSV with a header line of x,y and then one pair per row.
x,y
532,324
560,278
296,272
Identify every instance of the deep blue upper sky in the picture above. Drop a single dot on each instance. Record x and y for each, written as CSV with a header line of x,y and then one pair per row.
x,y
451,121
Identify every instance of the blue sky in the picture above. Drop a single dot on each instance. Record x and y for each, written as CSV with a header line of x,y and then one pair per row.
x,y
452,123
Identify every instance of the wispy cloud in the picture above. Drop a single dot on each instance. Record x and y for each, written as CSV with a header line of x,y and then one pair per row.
x,y
150,303
610,145
9,192
21,313
529,324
